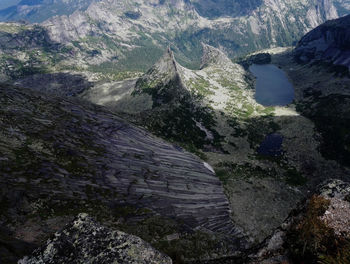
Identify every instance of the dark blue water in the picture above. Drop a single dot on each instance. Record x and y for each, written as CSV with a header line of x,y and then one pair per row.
x,y
272,85
271,146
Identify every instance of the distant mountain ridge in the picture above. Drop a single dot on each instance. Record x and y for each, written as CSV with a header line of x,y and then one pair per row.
x,y
131,35
40,10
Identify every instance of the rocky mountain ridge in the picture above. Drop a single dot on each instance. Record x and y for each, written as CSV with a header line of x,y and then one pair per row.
x,y
329,42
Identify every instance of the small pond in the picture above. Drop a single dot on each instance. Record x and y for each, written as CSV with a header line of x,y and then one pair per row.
x,y
271,146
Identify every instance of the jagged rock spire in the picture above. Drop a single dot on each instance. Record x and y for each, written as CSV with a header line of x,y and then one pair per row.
x,y
212,55
163,80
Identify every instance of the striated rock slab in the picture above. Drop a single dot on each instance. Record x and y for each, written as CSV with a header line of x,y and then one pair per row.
x,y
58,149
85,241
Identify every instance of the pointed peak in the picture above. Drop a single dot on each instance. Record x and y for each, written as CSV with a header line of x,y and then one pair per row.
x,y
163,77
166,64
212,55
168,54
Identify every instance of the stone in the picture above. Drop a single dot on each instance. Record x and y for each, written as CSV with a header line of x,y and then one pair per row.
x,y
86,241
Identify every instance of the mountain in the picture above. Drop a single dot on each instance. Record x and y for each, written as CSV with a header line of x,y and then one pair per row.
x,y
7,3
212,112
106,36
330,42
135,113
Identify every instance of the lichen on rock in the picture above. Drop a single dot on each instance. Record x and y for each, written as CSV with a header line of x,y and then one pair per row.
x,y
85,241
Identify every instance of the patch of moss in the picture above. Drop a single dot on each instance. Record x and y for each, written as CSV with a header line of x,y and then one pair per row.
x,y
201,86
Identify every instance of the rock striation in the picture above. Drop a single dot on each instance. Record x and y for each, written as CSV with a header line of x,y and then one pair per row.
x,y
56,154
86,241
329,42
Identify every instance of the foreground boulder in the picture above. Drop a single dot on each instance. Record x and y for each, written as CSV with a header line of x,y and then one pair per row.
x,y
316,232
85,241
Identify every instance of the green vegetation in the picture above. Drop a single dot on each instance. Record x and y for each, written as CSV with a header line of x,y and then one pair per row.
x,y
200,86
227,171
177,124
12,28
341,256
294,177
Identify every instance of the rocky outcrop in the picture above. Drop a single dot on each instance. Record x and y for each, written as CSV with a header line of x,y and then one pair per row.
x,y
329,42
163,81
85,241
213,56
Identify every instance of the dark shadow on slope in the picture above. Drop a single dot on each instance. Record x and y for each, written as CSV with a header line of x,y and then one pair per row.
x,y
11,248
66,84
331,115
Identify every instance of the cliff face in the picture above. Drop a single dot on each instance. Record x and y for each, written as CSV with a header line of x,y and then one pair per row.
x,y
329,42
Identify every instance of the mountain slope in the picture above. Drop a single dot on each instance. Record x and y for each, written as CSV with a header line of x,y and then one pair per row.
x,y
60,156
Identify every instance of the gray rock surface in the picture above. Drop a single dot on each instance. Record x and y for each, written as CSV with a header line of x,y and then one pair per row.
x,y
85,241
58,155
329,42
